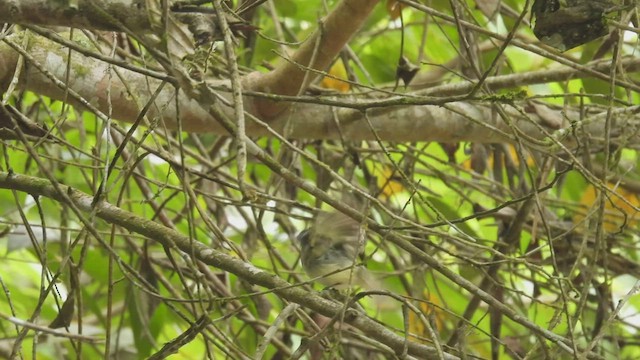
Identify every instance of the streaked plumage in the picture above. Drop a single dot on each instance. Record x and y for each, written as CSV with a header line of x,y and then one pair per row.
x,y
333,243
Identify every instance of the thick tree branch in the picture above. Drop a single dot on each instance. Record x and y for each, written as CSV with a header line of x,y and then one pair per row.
x,y
460,121
79,14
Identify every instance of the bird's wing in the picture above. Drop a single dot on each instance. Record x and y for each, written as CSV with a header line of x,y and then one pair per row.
x,y
336,230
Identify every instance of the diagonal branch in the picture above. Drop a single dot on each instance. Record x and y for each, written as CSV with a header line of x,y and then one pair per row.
x,y
317,52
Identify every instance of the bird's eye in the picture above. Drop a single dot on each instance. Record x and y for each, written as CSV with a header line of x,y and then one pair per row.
x,y
303,237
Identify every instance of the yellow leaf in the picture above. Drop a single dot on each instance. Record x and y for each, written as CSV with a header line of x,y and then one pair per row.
x,y
417,327
387,180
337,72
512,152
615,207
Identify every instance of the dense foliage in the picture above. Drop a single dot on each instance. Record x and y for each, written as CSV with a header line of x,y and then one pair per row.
x,y
123,236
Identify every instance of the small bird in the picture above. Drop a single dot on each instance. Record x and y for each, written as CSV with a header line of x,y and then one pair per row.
x,y
332,244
